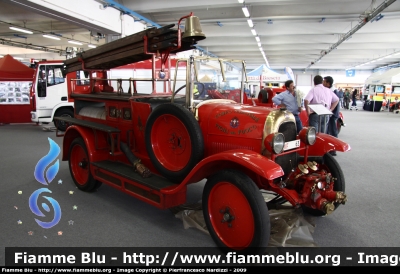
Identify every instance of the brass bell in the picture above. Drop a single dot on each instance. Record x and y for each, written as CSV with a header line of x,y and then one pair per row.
x,y
193,30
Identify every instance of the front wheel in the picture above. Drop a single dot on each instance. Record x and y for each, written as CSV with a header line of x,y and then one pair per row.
x,y
65,112
333,167
235,213
79,166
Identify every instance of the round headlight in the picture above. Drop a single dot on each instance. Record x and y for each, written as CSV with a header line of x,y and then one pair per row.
x,y
278,143
311,136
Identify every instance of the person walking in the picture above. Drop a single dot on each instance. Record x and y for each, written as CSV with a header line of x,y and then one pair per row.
x,y
319,95
332,127
354,99
346,99
340,94
288,100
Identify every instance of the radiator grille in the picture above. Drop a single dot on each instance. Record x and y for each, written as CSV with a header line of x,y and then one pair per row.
x,y
288,161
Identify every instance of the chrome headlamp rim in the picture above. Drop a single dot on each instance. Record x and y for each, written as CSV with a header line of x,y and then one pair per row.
x,y
311,135
278,143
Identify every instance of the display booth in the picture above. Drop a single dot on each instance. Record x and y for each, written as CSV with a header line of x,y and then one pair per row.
x,y
263,76
15,82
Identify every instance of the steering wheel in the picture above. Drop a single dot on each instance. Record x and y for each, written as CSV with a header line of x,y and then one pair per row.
x,y
179,89
201,92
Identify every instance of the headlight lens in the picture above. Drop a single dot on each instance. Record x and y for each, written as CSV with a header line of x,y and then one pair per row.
x,y
278,143
308,135
275,142
311,136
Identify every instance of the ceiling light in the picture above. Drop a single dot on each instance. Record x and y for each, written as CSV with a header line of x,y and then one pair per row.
x,y
75,42
253,31
91,46
257,38
51,36
18,58
250,22
240,1
245,11
21,30
259,44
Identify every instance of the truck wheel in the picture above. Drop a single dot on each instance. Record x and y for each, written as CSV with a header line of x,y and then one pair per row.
x,y
235,213
174,141
79,166
332,166
61,125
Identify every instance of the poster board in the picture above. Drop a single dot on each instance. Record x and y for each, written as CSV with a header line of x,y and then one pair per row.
x,y
320,109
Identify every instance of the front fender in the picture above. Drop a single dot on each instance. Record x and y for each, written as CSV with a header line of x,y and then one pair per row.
x,y
245,160
326,143
87,135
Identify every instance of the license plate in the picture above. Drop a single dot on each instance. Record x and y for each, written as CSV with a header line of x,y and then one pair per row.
x,y
291,145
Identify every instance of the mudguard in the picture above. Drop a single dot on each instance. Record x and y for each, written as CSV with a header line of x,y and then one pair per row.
x,y
87,135
326,143
246,160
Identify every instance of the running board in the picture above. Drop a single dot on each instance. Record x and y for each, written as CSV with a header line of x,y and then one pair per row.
x,y
125,178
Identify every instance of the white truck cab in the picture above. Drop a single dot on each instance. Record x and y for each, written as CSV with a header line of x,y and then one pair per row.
x,y
49,94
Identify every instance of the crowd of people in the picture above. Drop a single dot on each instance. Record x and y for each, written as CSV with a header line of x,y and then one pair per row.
x,y
322,93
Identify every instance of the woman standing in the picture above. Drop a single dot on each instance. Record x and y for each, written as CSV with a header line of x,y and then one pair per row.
x,y
354,99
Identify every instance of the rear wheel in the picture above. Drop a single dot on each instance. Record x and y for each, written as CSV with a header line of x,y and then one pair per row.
x,y
79,166
333,167
65,112
235,213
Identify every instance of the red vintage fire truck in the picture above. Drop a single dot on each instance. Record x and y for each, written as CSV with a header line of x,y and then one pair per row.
x,y
152,145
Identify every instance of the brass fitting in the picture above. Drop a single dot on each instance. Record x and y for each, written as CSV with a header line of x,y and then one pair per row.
x,y
341,197
328,207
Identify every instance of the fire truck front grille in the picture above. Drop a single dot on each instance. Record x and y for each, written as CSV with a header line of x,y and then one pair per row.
x,y
288,161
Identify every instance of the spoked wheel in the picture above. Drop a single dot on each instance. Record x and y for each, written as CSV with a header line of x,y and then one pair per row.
x,y
235,213
332,166
79,166
174,141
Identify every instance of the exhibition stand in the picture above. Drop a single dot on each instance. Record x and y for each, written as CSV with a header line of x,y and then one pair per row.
x,y
15,81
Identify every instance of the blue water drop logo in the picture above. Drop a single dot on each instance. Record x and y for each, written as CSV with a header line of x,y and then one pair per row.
x,y
44,162
35,208
45,177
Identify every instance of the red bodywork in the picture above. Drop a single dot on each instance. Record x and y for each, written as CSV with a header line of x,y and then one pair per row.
x,y
271,91
182,141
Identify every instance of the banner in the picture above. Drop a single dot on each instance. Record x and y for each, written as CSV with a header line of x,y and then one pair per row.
x,y
350,72
290,74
